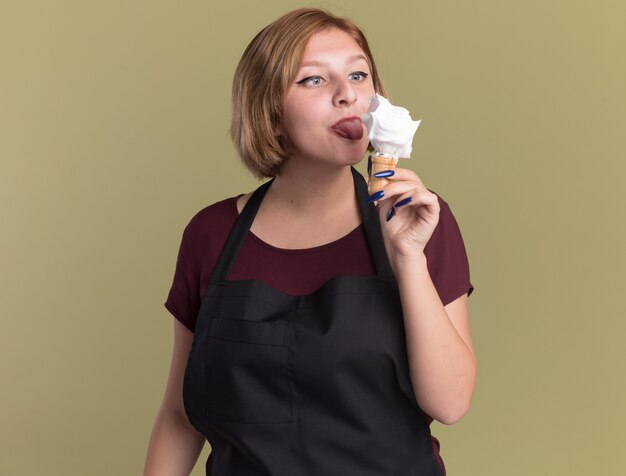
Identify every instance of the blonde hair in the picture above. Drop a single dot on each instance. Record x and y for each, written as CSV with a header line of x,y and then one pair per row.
x,y
268,65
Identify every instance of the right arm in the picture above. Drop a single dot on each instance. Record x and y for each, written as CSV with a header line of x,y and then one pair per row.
x,y
174,444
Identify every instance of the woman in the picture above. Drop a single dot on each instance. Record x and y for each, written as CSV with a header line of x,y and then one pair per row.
x,y
316,332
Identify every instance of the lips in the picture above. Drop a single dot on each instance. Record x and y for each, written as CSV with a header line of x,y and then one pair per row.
x,y
350,128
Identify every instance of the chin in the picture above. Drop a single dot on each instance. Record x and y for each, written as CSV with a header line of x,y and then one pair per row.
x,y
356,150
353,160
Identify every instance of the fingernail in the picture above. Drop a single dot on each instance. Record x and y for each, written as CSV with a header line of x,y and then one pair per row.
x,y
384,173
369,165
404,201
375,196
391,213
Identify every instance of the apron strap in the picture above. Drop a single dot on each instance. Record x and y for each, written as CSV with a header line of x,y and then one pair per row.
x,y
242,225
371,223
238,234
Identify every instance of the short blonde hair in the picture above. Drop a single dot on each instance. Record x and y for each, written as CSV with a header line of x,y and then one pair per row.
x,y
268,65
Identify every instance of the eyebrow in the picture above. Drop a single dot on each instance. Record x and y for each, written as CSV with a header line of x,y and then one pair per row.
x,y
351,59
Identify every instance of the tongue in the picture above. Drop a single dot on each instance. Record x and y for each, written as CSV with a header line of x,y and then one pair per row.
x,y
352,130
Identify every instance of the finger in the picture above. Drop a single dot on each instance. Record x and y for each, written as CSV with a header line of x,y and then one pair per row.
x,y
399,175
395,189
405,174
424,198
410,201
403,200
388,210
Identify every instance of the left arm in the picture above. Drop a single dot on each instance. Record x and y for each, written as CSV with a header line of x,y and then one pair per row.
x,y
441,358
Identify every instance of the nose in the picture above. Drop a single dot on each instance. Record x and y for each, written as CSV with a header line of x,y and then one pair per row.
x,y
345,93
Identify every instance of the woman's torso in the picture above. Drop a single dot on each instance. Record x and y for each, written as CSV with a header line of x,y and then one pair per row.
x,y
306,384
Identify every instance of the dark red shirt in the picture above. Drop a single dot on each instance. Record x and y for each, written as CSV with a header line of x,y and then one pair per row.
x,y
299,272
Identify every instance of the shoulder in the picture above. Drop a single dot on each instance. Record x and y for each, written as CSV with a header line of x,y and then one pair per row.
x,y
446,256
445,213
210,222
446,240
221,209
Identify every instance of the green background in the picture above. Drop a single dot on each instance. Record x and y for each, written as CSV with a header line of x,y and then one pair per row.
x,y
113,134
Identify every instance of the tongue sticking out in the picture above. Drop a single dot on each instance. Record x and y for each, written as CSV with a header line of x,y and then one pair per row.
x,y
352,130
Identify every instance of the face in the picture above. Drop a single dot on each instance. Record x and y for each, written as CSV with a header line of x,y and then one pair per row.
x,y
333,85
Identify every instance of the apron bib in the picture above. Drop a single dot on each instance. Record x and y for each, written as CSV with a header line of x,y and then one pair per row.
x,y
313,385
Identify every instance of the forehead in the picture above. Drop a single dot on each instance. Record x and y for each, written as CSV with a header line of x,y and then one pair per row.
x,y
331,41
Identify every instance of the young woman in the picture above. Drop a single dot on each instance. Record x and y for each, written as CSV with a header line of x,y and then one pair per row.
x,y
317,332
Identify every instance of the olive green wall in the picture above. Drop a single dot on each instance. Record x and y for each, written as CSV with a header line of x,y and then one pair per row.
x,y
113,134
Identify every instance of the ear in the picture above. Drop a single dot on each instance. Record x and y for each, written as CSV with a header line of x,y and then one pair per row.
x,y
278,130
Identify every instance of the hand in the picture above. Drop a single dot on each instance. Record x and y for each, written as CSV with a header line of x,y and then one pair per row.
x,y
409,213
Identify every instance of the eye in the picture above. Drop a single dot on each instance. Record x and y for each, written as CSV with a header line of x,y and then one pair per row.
x,y
358,76
311,81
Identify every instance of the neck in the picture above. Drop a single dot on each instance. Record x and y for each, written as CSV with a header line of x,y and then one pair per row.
x,y
313,189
